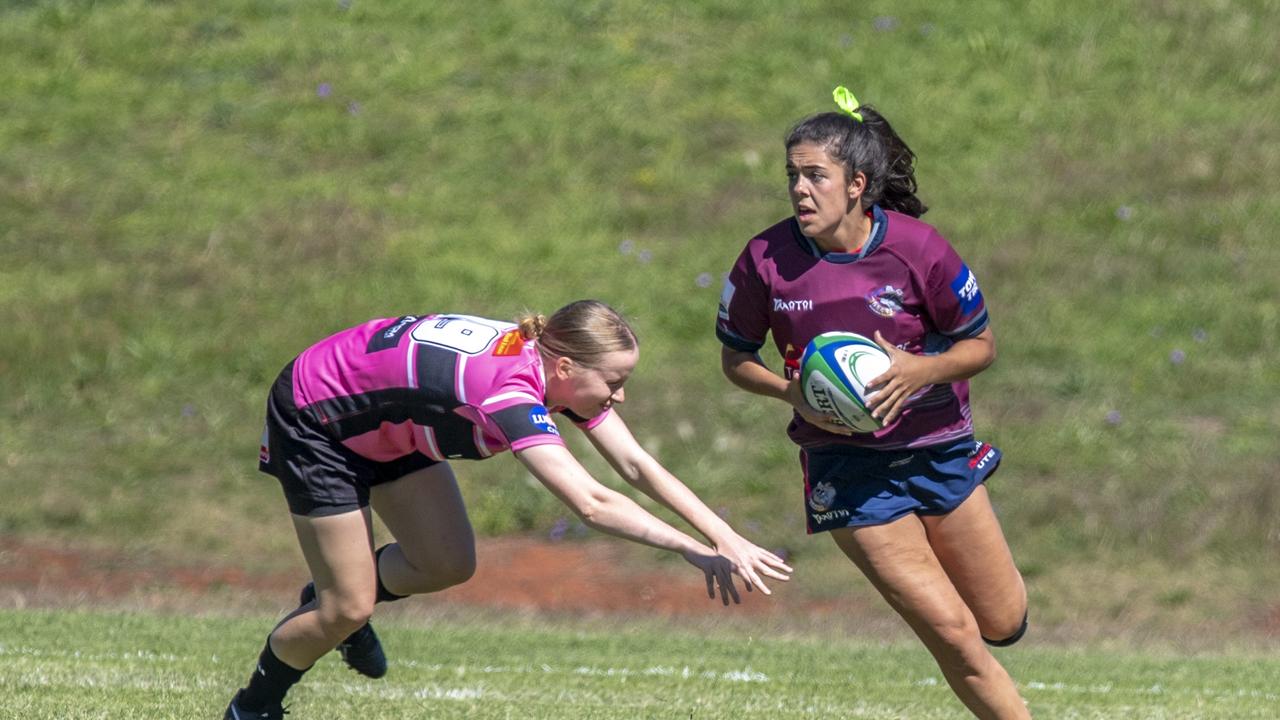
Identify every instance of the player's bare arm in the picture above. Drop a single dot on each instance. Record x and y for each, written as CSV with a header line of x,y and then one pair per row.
x,y
748,371
606,510
615,442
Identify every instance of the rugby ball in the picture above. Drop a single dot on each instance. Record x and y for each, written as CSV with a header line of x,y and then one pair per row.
x,y
834,371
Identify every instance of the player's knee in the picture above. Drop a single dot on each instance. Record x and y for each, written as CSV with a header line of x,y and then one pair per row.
x,y
345,615
1007,635
454,570
442,573
953,638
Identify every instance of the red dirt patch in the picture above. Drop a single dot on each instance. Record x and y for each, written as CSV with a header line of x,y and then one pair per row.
x,y
514,573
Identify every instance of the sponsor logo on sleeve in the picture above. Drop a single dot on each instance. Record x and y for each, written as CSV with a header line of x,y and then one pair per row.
x,y
509,344
885,301
965,287
540,418
726,298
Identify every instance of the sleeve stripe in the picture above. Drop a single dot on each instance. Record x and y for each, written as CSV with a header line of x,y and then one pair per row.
x,y
511,396
734,342
972,328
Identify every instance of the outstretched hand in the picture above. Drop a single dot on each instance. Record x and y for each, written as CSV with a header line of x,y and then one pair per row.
x,y
751,561
889,391
719,572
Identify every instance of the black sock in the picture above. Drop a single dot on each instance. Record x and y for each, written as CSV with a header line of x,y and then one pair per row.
x,y
384,595
270,682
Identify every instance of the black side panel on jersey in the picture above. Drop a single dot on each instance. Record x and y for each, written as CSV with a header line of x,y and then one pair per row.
x,y
389,336
436,367
431,403
352,415
455,437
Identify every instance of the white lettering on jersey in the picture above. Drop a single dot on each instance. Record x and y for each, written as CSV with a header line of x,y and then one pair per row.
x,y
791,305
970,288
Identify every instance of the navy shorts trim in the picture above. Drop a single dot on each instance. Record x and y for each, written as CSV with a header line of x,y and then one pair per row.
x,y
847,486
318,474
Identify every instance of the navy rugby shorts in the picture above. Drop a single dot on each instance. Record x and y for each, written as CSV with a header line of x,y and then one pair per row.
x,y
847,486
319,475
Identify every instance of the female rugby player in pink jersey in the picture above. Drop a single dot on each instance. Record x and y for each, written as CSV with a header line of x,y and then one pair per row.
x,y
906,503
372,415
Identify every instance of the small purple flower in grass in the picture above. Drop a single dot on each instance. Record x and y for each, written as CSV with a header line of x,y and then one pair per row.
x,y
644,256
188,410
704,280
885,23
324,90
353,108
1177,357
1124,212
344,4
1199,335
1114,418
626,247
558,530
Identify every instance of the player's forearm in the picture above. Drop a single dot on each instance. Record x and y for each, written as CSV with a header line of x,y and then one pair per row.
x,y
618,515
964,359
655,481
747,372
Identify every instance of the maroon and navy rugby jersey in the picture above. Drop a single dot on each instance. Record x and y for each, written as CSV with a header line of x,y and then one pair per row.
x,y
906,281
446,386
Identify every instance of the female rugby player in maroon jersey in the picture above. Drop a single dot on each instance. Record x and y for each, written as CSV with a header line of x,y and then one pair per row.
x,y
905,503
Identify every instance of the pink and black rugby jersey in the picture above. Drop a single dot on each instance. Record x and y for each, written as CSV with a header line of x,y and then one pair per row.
x,y
446,386
906,281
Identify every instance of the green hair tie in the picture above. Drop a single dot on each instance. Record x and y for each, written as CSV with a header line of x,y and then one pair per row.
x,y
847,102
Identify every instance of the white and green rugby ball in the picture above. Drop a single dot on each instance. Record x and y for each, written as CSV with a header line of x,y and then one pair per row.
x,y
834,372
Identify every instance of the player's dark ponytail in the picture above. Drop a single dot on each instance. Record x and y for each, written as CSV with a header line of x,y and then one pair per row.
x,y
871,146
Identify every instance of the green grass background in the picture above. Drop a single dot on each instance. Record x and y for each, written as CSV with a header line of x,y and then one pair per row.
x,y
139,666
191,193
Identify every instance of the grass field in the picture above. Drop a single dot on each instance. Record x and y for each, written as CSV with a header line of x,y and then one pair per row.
x,y
76,665
192,192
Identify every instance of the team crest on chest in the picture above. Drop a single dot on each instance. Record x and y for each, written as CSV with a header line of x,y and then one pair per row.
x,y
885,301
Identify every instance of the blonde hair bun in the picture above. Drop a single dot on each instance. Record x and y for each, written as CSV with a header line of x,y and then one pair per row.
x,y
532,325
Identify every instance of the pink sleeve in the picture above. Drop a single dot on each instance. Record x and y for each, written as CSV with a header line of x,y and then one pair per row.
x,y
516,410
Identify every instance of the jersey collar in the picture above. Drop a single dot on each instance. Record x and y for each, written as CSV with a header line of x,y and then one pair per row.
x,y
879,226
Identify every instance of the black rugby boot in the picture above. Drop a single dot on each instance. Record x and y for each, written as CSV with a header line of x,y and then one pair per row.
x,y
235,712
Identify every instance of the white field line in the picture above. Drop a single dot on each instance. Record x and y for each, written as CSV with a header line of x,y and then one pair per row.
x,y
107,677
